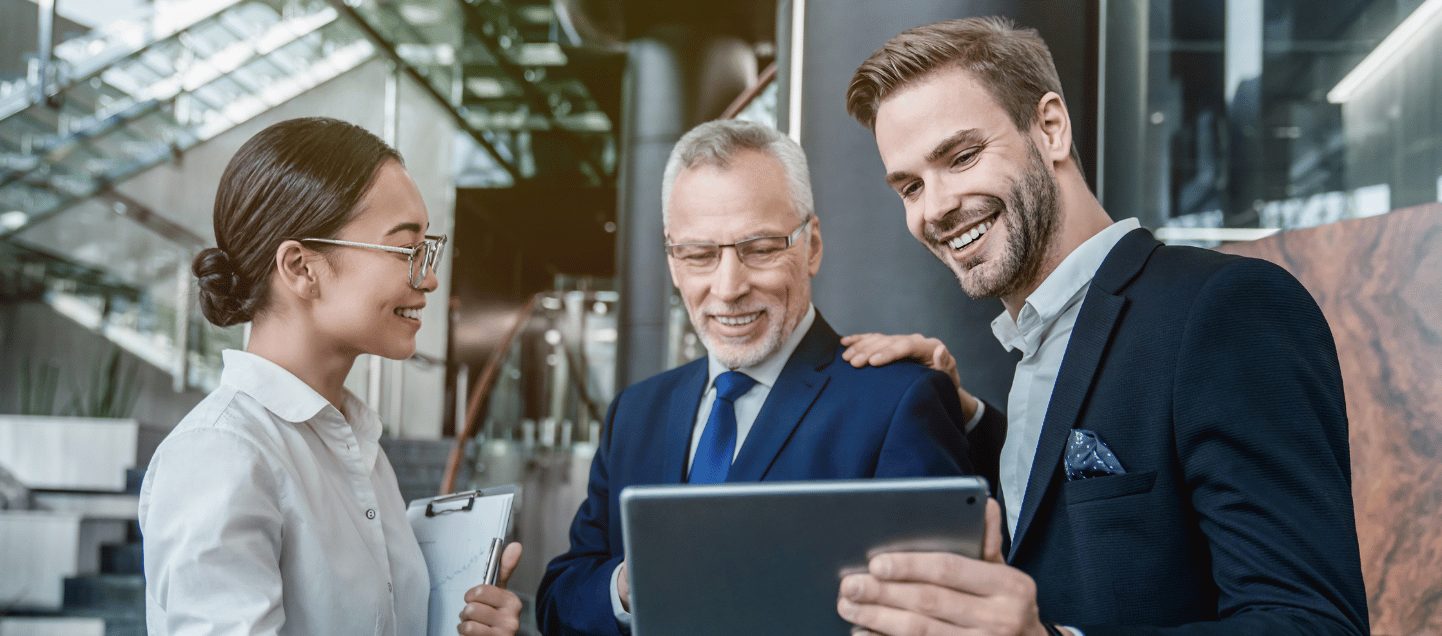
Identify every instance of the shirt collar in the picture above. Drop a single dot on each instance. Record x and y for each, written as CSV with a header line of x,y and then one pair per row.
x,y
291,399
365,424
768,370
1061,289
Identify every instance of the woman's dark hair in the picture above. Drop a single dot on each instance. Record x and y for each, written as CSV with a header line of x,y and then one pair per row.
x,y
298,178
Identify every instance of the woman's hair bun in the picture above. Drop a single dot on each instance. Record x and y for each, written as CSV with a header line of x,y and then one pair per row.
x,y
224,297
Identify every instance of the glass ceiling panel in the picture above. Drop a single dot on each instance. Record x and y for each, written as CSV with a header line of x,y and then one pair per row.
x,y
168,95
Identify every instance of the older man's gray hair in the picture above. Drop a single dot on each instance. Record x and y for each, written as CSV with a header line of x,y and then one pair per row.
x,y
714,143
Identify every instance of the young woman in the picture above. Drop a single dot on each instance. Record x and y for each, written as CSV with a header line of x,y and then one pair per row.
x,y
271,508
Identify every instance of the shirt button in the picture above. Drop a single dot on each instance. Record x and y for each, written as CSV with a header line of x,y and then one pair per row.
x,y
370,513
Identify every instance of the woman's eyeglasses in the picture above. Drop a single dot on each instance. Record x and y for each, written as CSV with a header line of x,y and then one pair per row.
x,y
422,256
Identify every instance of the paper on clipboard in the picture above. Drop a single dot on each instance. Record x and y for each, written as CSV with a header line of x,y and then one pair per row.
x,y
461,536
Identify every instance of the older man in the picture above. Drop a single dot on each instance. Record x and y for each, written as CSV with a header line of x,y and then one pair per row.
x,y
772,400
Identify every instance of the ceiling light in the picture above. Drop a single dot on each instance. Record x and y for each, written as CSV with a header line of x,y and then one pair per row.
x,y
1382,58
13,220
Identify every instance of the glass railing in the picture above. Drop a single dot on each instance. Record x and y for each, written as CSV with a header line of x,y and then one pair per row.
x,y
142,318
134,288
512,84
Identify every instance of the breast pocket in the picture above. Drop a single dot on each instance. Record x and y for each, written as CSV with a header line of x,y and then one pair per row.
x,y
1109,487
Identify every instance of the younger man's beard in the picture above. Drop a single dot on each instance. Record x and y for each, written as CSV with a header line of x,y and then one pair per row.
x,y
1031,217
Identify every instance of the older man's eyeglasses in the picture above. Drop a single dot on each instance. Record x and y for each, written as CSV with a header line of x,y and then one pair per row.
x,y
422,257
756,253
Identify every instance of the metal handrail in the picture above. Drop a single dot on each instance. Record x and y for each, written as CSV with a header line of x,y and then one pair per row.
x,y
475,409
751,93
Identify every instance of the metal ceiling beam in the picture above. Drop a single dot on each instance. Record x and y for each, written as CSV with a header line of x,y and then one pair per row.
x,y
538,98
386,47
152,220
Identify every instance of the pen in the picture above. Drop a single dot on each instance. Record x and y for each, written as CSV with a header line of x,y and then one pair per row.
x,y
493,563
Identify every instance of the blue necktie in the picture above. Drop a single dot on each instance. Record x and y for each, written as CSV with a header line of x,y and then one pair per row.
x,y
718,441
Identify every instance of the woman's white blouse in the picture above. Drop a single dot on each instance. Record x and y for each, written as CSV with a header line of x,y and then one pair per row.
x,y
266,512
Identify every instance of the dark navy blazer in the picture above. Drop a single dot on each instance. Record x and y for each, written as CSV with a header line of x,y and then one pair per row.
x,y
824,419
1214,379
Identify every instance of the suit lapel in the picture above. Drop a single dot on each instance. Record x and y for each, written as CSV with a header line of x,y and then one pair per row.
x,y
680,418
796,389
1100,310
1083,353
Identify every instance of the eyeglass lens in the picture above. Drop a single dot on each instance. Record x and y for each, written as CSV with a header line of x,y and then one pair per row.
x,y
424,261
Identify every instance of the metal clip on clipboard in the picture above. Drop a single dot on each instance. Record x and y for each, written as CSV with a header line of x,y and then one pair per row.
x,y
469,496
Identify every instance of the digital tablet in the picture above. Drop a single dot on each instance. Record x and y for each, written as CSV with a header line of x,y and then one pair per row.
x,y
767,558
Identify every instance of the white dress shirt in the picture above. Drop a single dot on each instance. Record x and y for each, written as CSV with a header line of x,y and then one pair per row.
x,y
1041,331
266,511
748,406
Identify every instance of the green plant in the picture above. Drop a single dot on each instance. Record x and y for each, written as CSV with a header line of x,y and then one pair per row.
x,y
38,382
112,390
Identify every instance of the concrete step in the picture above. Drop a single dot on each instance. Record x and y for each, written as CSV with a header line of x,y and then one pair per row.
x,y
69,453
119,507
132,626
112,595
123,558
134,477
74,623
53,626
125,626
56,545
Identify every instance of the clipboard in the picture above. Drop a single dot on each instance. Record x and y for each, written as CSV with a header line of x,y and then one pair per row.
x,y
461,536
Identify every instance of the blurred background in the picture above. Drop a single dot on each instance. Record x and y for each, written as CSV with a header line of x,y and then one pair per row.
x,y
1305,131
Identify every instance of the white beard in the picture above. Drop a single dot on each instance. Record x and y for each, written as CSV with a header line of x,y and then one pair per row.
x,y
741,355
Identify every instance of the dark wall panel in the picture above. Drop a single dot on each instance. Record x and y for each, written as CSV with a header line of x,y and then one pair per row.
x,y
676,77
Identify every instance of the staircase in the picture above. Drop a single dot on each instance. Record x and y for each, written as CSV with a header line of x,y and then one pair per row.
x,y
72,559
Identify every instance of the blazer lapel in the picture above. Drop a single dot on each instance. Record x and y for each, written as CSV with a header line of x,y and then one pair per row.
x,y
1100,310
795,391
680,418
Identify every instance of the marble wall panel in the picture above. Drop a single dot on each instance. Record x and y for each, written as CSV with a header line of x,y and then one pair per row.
x,y
1379,282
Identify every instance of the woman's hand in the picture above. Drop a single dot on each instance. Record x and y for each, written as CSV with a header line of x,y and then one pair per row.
x,y
492,610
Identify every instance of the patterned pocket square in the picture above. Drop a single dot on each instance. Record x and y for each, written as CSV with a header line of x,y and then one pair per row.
x,y
1087,456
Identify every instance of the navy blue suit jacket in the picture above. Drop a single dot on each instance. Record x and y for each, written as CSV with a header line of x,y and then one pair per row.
x,y
823,419
1215,381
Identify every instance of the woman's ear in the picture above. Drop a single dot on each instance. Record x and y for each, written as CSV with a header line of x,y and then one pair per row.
x,y
295,272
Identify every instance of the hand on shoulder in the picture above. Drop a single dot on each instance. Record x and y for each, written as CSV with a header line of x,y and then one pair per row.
x,y
878,349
